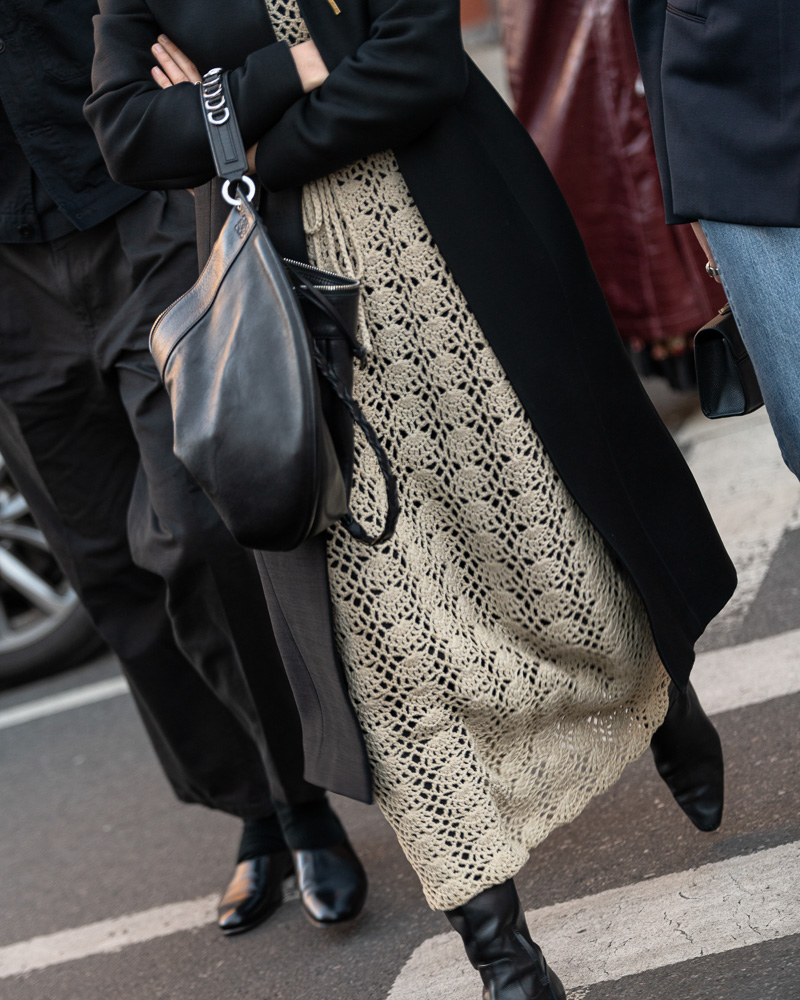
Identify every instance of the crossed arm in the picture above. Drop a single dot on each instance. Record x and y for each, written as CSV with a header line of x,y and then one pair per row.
x,y
401,78
174,67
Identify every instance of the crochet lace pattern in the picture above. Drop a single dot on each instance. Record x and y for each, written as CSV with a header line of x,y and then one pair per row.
x,y
500,662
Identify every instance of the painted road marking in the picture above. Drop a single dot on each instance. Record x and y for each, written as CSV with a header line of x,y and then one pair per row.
x,y
52,705
113,935
739,676
752,497
725,679
105,936
622,932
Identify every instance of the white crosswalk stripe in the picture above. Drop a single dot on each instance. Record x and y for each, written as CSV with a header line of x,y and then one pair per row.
x,y
88,694
108,936
105,936
752,497
725,679
719,907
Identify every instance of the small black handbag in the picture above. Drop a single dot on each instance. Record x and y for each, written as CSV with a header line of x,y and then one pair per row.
x,y
726,379
241,354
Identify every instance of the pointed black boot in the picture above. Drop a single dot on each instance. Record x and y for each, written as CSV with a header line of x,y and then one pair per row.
x,y
498,944
688,756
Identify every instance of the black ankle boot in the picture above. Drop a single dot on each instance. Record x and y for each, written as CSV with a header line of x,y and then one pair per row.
x,y
688,756
499,946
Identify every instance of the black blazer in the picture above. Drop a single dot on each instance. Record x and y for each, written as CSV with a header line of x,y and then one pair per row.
x,y
722,79
400,79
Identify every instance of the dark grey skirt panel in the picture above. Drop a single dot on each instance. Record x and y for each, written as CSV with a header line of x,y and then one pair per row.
x,y
296,588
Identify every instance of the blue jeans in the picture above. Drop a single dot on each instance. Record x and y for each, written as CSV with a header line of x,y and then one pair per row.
x,y
760,271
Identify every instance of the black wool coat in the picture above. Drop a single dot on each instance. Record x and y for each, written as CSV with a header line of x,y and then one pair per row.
x,y
399,79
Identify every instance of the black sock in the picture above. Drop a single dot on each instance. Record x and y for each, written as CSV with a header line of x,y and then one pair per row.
x,y
260,836
310,825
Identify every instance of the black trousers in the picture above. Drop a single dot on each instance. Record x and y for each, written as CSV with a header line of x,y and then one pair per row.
x,y
86,430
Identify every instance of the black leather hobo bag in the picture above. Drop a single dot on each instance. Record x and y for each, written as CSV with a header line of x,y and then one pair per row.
x,y
257,360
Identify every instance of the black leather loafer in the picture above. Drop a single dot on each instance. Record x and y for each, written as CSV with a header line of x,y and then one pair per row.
x,y
254,893
688,756
332,883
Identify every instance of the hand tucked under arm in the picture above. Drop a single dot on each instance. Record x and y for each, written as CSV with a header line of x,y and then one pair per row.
x,y
408,72
174,66
312,70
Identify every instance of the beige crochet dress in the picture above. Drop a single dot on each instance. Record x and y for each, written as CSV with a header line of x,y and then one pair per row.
x,y
501,665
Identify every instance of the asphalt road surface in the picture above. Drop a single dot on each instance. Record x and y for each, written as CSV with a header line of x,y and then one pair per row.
x,y
109,885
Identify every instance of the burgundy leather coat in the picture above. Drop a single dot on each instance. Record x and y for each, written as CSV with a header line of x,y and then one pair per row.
x,y
576,88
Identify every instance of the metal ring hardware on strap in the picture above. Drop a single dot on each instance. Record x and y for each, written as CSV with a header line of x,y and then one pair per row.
x,y
212,89
227,147
249,193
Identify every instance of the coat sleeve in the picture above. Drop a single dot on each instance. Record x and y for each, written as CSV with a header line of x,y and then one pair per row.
x,y
156,138
411,67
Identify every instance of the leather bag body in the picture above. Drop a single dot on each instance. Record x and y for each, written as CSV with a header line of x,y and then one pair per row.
x,y
237,361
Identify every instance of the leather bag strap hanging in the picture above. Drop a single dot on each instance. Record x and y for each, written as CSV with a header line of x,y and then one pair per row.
x,y
257,359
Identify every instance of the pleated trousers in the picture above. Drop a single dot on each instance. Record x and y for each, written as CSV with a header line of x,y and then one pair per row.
x,y
86,430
